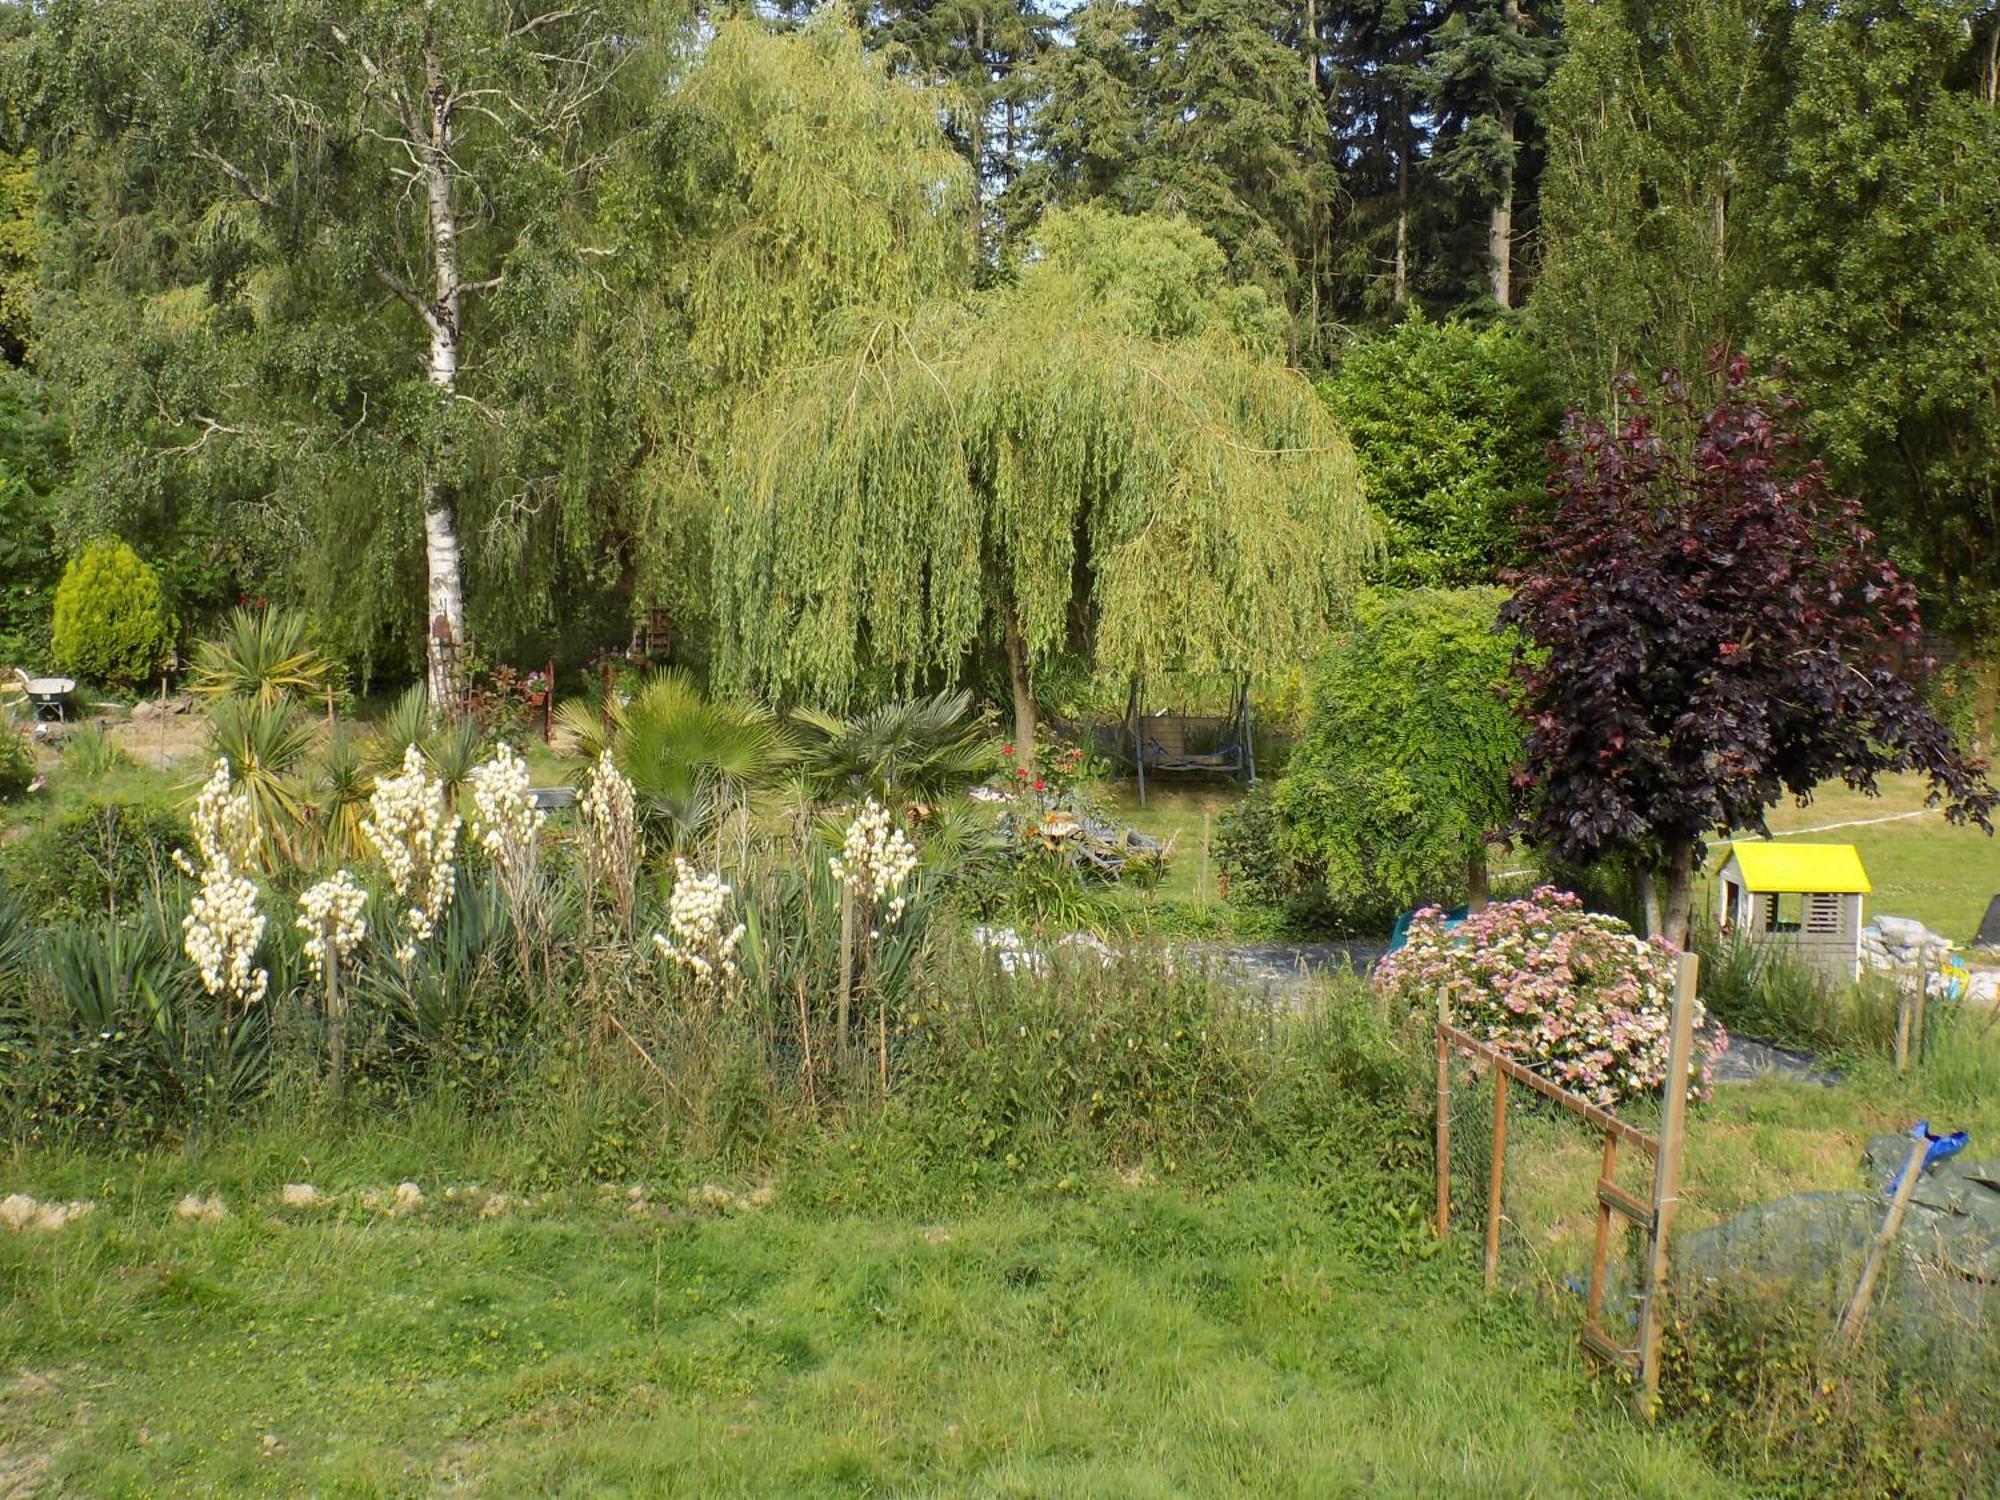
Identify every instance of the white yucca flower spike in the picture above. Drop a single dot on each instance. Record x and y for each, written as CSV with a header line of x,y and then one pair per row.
x,y
504,816
330,915
698,943
610,821
223,926
412,827
876,860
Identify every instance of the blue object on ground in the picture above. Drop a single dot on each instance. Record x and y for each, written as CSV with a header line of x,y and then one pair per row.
x,y
1400,933
1942,1147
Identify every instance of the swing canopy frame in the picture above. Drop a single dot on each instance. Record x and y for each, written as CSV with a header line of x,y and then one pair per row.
x,y
1174,741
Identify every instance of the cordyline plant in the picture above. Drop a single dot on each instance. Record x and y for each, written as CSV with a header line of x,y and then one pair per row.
x,y
1707,629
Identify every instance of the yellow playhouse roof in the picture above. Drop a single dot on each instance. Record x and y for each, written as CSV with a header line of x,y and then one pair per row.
x,y
1833,868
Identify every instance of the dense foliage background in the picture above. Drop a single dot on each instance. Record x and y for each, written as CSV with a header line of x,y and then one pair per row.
x,y
1466,216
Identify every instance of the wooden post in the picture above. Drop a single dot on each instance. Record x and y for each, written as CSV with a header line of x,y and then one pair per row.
x,y
1600,1252
1856,1315
1917,1015
548,701
1903,1025
1204,857
1138,704
1493,1180
1443,1120
846,971
1667,1180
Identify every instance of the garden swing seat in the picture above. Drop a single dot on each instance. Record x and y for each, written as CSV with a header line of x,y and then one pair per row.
x,y
1175,742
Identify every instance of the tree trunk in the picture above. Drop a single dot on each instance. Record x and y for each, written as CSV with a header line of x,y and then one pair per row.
x,y
1500,225
1023,690
444,575
1476,890
1649,900
1680,891
1400,291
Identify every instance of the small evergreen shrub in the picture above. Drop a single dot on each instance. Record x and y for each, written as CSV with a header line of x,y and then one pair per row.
x,y
1570,993
17,764
1265,882
111,620
103,856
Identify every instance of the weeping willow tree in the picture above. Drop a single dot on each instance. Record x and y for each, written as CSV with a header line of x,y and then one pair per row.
x,y
1108,457
804,182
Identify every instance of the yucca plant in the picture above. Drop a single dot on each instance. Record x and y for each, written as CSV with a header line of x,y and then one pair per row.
x,y
690,759
407,723
914,751
263,655
451,750
266,745
338,783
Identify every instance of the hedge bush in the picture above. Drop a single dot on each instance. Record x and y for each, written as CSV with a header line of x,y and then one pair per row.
x,y
102,856
111,620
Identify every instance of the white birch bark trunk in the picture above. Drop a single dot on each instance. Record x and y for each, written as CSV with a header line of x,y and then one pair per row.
x,y
442,564
1500,225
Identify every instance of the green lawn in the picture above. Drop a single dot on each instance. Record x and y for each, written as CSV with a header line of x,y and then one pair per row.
x,y
1128,1340
1921,866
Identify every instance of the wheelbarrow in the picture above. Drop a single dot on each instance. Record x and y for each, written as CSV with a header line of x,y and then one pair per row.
x,y
47,696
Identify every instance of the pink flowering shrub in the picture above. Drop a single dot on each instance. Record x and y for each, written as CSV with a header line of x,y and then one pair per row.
x,y
1572,994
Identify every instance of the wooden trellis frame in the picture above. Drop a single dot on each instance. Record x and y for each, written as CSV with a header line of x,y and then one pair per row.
x,y
1654,1218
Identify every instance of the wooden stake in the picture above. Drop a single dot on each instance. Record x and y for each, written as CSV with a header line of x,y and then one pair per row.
x,y
1608,1172
846,970
1443,1120
1851,1321
1204,857
1666,1181
1903,1026
1493,1180
1917,1016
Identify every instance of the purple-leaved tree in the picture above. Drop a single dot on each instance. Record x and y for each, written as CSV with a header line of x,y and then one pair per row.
x,y
1707,629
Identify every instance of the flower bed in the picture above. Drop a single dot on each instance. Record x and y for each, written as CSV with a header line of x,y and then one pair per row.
x,y
1573,994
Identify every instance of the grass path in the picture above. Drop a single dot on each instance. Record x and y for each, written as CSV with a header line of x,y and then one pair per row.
x,y
1128,1342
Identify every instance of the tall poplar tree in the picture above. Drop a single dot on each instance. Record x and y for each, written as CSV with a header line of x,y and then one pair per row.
x,y
1660,137
1885,232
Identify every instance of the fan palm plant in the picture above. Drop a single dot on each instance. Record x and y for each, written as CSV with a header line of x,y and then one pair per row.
x,y
265,655
917,750
690,759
